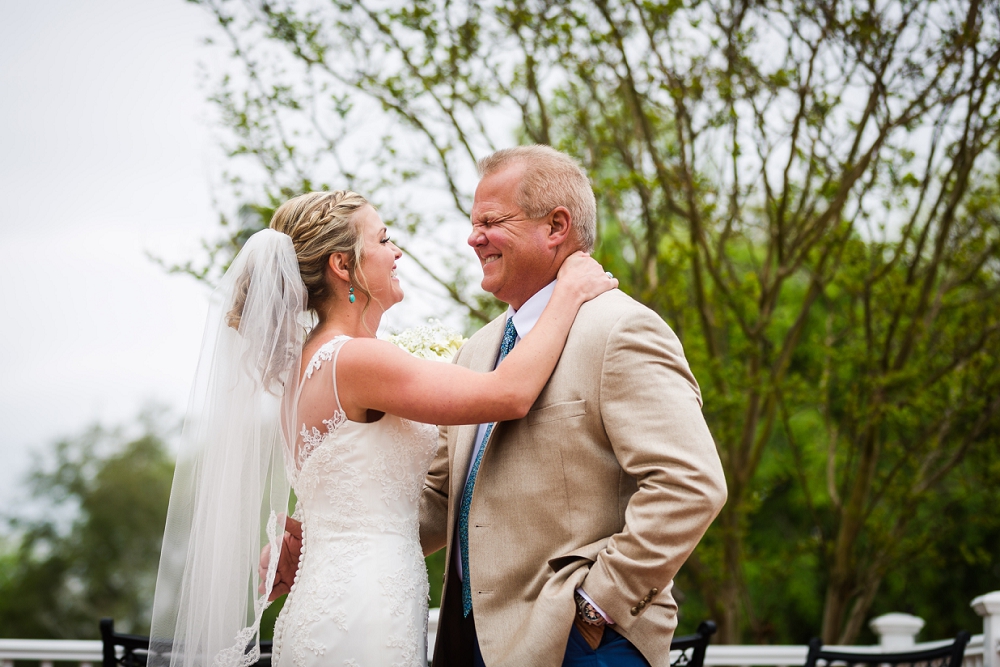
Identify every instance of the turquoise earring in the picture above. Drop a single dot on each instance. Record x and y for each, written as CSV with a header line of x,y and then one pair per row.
x,y
351,296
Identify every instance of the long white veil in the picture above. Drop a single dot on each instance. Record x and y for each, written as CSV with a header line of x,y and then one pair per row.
x,y
230,482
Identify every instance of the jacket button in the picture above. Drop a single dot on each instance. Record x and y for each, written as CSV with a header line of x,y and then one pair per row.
x,y
634,611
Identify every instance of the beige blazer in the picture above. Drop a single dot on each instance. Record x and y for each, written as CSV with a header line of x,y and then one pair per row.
x,y
608,483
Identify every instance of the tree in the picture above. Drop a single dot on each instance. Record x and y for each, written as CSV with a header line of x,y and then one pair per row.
x,y
805,191
94,552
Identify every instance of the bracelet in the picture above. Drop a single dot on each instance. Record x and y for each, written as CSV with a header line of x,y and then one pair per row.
x,y
586,611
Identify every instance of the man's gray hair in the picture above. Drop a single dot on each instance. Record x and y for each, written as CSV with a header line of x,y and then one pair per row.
x,y
550,179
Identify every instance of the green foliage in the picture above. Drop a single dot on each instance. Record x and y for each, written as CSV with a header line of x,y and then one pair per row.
x,y
436,568
957,558
95,551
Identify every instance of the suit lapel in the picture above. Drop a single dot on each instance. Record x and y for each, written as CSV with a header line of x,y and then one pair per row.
x,y
481,359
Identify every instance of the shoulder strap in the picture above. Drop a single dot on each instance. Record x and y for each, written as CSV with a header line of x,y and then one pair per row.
x,y
333,370
329,351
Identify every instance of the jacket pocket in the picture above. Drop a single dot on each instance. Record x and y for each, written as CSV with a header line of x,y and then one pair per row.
x,y
586,553
557,411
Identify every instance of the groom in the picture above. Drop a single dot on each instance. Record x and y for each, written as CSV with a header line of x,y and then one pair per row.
x,y
564,530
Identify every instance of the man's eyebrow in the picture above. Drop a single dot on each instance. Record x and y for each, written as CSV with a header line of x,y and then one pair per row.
x,y
491,215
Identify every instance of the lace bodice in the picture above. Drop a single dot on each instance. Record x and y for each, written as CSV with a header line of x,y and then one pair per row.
x,y
358,487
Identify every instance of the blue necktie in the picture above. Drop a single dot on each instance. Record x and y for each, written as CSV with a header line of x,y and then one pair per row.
x,y
509,337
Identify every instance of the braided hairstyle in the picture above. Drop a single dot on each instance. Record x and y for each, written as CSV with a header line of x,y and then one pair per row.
x,y
319,224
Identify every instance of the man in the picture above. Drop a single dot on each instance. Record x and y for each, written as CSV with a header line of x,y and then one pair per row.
x,y
564,529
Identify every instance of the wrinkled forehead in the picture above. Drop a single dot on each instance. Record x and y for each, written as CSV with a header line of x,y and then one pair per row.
x,y
497,192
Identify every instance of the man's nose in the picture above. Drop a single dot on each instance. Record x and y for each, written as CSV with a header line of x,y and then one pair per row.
x,y
476,237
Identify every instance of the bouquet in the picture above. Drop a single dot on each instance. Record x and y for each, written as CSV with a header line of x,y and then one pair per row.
x,y
429,341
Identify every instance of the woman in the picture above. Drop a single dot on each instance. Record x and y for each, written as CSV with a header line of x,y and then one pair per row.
x,y
353,414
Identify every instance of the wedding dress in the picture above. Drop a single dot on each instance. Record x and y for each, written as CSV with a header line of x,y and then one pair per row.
x,y
360,595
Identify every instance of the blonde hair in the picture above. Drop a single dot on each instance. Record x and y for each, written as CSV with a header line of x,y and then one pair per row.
x,y
550,179
319,224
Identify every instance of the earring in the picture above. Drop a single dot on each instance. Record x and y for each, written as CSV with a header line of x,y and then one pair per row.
x,y
351,295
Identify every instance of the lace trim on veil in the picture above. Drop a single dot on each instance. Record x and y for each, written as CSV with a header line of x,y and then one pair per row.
x,y
237,655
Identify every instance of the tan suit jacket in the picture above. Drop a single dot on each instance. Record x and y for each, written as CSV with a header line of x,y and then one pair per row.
x,y
608,483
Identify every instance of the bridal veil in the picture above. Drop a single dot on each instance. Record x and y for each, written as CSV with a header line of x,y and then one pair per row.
x,y
230,484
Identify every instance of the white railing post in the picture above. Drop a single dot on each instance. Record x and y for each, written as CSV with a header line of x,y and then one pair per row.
x,y
988,606
897,632
433,615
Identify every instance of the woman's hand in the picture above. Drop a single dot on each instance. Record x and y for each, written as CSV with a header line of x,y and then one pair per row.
x,y
582,276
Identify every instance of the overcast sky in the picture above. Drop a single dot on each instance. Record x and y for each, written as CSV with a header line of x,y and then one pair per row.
x,y
107,151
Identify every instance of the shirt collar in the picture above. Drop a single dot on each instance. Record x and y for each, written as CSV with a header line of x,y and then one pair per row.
x,y
526,317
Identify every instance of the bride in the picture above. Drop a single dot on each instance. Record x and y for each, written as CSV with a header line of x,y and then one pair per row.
x,y
344,419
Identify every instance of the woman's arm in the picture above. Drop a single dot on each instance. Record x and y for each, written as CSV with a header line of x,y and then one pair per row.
x,y
376,375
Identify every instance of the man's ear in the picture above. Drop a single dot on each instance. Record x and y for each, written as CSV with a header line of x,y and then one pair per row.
x,y
560,226
337,265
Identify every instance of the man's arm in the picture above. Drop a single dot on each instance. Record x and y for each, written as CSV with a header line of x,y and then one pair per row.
x,y
651,407
434,499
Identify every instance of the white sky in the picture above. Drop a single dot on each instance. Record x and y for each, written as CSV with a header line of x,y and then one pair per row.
x,y
106,152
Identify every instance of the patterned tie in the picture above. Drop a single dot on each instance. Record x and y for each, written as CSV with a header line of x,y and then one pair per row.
x,y
509,337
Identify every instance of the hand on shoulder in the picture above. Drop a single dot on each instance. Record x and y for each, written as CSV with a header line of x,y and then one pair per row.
x,y
582,276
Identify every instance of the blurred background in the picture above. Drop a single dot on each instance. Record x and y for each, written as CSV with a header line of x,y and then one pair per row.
x,y
807,192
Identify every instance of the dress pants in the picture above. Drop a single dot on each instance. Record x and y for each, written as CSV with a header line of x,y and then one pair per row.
x,y
613,651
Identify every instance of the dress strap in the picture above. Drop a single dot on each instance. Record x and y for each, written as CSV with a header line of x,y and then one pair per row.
x,y
333,371
329,351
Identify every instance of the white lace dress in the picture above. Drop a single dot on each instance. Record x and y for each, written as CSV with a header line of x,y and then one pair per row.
x,y
360,596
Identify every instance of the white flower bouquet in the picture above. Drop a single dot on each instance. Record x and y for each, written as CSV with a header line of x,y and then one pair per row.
x,y
429,341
